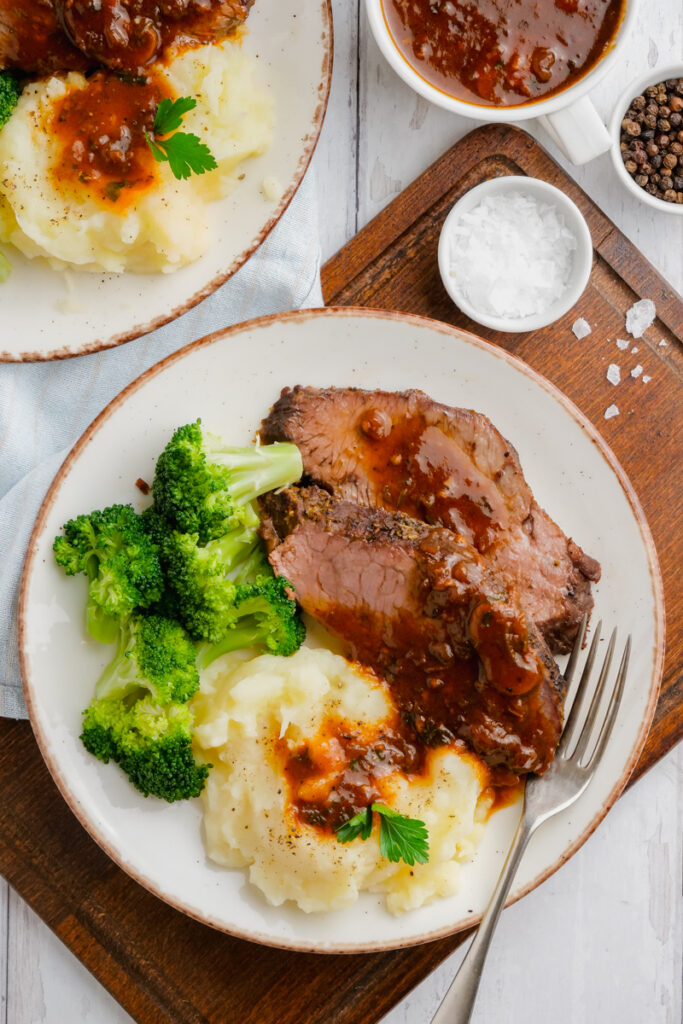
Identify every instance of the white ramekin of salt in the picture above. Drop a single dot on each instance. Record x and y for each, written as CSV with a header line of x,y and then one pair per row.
x,y
515,254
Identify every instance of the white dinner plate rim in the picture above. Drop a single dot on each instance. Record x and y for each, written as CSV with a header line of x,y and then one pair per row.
x,y
302,315
309,146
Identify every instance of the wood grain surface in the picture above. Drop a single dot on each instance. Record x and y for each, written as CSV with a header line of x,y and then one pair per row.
x,y
162,966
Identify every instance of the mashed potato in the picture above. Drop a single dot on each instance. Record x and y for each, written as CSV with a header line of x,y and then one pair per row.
x,y
244,710
168,225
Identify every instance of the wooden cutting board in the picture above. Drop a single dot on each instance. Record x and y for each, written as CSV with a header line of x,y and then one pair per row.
x,y
165,967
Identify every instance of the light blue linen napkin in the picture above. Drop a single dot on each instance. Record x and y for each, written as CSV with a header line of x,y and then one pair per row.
x,y
45,407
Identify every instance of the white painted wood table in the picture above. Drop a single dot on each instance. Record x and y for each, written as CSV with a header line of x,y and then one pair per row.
x,y
601,941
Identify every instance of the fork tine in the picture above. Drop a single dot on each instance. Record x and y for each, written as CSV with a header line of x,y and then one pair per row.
x,y
576,652
584,740
571,724
610,717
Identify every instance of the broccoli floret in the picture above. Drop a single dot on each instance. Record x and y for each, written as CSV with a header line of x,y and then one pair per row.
x,y
205,487
120,560
264,615
154,656
9,96
202,577
152,744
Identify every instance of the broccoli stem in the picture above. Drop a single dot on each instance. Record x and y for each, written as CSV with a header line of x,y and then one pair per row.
x,y
255,471
121,676
234,640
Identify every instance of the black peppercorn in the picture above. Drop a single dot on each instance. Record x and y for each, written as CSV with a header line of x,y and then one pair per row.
x,y
631,127
656,162
665,183
663,124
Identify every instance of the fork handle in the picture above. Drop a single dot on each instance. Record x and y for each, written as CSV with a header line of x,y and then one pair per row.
x,y
458,1003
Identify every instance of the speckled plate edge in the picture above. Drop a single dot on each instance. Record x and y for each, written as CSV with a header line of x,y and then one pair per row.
x,y
309,144
575,413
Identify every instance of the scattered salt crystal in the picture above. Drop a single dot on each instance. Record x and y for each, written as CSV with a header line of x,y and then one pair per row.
x,y
511,255
613,374
634,350
623,345
646,379
581,328
610,412
663,343
636,371
640,316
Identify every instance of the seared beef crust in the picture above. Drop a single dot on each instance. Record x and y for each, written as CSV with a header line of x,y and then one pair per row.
x,y
443,466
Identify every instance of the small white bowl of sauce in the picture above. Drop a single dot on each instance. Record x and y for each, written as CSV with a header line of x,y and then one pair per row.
x,y
515,254
516,76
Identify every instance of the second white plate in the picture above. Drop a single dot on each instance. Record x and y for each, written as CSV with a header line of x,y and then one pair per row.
x,y
294,56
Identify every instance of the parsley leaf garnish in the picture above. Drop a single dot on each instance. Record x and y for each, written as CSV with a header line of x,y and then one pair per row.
x,y
400,837
359,825
185,152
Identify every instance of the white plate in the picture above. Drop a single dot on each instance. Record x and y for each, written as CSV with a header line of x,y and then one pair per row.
x,y
230,380
294,55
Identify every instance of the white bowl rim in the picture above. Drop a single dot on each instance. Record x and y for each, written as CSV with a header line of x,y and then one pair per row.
x,y
653,76
479,112
584,253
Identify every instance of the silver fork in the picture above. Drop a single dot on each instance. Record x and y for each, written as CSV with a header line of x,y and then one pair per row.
x,y
544,796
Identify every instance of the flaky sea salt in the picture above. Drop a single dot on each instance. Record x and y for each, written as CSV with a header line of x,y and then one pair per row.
x,y
640,316
636,371
611,411
634,350
581,328
613,374
663,343
623,345
511,255
646,379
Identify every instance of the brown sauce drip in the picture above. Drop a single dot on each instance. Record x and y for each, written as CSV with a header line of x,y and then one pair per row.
x,y
348,766
502,796
498,53
340,771
420,481
440,699
101,134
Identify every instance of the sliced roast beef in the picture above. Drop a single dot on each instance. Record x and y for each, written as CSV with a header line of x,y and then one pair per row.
x,y
443,466
130,34
419,604
33,40
45,36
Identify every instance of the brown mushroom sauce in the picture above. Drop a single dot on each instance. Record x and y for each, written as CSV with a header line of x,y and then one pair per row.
x,y
498,53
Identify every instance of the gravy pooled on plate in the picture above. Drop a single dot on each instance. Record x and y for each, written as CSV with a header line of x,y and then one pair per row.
x,y
500,52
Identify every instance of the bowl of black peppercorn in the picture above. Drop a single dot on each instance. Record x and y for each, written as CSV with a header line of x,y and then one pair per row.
x,y
647,133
